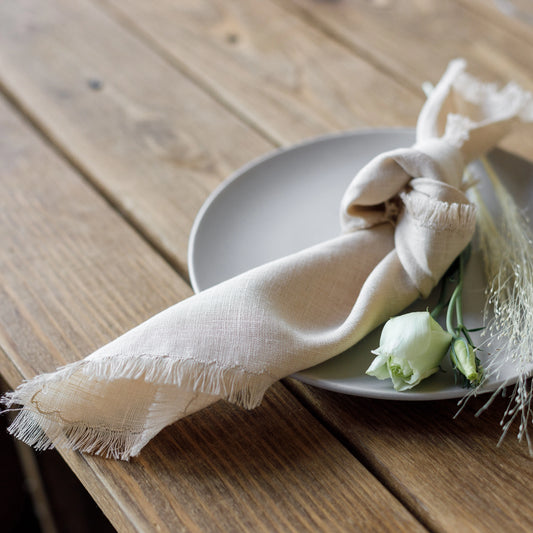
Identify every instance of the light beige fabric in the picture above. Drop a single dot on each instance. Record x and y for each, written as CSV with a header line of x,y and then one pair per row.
x,y
404,220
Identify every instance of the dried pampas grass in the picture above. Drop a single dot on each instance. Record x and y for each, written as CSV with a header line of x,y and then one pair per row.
x,y
507,249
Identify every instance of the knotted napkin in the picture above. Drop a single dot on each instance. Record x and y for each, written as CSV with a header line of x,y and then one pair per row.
x,y
404,219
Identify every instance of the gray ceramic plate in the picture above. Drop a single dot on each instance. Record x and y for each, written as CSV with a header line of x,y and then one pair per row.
x,y
249,220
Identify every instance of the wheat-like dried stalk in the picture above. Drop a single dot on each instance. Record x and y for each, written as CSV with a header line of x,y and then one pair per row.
x,y
507,250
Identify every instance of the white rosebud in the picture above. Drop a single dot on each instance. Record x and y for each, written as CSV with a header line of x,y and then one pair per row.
x,y
411,348
465,361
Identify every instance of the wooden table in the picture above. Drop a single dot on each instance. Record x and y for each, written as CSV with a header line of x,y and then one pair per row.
x,y
117,119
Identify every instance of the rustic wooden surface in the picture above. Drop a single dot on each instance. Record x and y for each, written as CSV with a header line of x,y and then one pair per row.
x,y
117,120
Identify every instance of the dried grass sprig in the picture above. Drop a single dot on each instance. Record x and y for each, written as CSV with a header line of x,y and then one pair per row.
x,y
507,248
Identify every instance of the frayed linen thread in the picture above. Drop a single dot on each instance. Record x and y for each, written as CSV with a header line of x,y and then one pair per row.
x,y
43,430
444,216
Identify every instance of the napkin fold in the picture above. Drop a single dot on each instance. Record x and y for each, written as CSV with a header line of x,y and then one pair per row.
x,y
404,219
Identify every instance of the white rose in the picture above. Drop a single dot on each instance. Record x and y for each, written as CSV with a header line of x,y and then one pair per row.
x,y
411,348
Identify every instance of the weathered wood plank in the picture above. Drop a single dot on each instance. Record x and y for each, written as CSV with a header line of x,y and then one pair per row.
x,y
516,23
449,471
147,137
73,276
193,463
414,41
285,76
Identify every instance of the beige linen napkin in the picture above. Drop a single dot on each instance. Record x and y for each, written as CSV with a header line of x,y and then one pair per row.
x,y
404,220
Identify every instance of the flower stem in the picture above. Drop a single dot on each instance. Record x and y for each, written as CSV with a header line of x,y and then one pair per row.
x,y
441,304
451,309
459,297
462,350
456,300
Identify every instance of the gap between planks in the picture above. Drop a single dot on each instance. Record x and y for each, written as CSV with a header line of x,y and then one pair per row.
x,y
478,9
43,132
330,32
270,134
295,390
304,17
490,12
117,16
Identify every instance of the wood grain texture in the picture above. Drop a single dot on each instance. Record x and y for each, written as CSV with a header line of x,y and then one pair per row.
x,y
146,136
516,24
74,275
431,476
414,41
282,74
229,470
449,471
